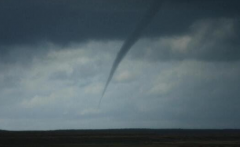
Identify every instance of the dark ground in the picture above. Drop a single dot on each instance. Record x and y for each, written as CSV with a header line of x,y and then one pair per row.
x,y
122,137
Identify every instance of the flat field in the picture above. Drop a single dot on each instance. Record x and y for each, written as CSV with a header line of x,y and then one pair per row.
x,y
122,138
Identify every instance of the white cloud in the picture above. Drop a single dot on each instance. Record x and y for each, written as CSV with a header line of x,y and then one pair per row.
x,y
63,88
208,39
94,88
179,44
162,88
123,76
59,95
91,111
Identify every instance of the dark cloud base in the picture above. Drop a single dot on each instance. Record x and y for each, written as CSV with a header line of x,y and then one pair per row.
x,y
62,22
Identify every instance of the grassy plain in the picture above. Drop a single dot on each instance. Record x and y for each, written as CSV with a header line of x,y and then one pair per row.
x,y
122,137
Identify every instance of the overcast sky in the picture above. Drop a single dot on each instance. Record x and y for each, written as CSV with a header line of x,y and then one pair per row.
x,y
56,55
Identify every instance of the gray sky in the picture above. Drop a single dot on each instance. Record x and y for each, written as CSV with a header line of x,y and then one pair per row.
x,y
55,58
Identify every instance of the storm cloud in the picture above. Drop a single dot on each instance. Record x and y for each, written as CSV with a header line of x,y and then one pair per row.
x,y
28,22
182,73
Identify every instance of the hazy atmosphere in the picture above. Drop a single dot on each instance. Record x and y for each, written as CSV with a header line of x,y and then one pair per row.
x,y
183,71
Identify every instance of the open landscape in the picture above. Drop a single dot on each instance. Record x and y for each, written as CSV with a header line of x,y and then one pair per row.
x,y
119,73
122,137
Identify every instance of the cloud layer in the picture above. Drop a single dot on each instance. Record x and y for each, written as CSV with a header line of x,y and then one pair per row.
x,y
55,58
206,39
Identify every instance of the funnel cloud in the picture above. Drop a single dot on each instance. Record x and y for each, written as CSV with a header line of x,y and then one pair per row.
x,y
132,39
